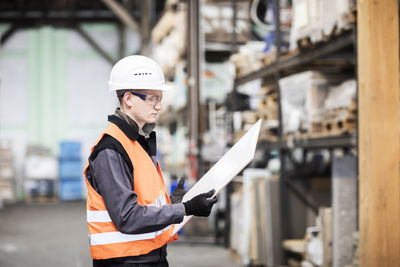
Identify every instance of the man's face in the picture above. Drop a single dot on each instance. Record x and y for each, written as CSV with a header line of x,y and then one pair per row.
x,y
145,111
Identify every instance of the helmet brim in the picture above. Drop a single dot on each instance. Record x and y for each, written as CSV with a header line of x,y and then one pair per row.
x,y
112,86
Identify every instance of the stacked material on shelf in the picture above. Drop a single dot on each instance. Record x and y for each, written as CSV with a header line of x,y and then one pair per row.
x,y
255,216
7,175
304,98
250,58
40,181
165,25
70,171
216,21
264,246
295,247
236,212
315,249
169,37
268,112
318,20
263,15
268,106
302,95
215,139
242,121
172,150
339,112
218,81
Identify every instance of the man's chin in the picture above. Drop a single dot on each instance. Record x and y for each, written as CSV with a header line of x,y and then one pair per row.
x,y
152,120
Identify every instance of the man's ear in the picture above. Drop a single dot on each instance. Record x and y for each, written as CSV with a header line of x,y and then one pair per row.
x,y
128,100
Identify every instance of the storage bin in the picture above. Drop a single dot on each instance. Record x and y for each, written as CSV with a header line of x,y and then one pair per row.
x,y
70,150
70,190
69,169
7,193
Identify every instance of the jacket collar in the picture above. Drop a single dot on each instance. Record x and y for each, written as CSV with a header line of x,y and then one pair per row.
x,y
149,144
129,130
145,130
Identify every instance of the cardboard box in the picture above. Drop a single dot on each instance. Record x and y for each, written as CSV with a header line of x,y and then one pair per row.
x,y
6,169
7,193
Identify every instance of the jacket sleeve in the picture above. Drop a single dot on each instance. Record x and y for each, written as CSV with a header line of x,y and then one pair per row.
x,y
113,179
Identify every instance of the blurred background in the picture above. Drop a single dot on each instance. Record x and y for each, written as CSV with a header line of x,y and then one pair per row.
x,y
295,64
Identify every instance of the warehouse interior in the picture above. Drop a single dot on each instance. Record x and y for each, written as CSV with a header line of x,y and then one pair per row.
x,y
323,188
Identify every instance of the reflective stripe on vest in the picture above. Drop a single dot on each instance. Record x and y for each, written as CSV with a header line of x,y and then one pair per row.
x,y
103,216
118,237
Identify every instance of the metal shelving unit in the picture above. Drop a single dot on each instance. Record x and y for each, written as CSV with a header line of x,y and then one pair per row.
x,y
286,65
341,141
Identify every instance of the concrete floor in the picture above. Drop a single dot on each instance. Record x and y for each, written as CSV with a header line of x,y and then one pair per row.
x,y
55,235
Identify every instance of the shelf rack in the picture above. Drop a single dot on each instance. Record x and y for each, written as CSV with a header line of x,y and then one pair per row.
x,y
285,65
340,141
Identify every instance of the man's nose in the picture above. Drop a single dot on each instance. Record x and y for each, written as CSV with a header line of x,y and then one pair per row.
x,y
158,106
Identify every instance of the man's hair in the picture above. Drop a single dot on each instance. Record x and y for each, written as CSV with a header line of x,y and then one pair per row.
x,y
120,94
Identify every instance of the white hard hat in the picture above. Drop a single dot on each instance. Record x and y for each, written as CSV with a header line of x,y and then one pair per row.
x,y
136,72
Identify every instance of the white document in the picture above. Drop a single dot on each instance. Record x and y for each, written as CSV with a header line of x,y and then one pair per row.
x,y
225,169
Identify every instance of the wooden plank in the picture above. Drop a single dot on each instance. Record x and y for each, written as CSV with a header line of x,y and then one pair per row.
x,y
326,235
254,225
379,148
263,221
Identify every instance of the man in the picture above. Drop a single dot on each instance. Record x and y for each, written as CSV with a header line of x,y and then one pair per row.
x,y
129,213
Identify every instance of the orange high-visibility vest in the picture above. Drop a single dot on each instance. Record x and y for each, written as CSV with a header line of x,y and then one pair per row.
x,y
105,240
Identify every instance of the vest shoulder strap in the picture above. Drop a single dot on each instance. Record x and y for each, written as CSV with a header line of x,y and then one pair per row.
x,y
109,142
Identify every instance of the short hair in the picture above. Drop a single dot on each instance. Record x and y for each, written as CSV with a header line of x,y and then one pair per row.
x,y
120,94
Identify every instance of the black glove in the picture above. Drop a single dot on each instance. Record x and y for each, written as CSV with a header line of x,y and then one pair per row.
x,y
177,194
200,205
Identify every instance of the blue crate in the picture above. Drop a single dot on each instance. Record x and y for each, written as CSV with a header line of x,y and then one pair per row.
x,y
69,169
70,190
70,150
70,178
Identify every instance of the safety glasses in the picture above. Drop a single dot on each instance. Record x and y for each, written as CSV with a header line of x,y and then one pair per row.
x,y
152,99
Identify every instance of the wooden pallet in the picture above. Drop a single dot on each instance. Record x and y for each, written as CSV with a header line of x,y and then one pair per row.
x,y
269,132
41,199
305,43
269,58
336,32
268,137
268,89
332,127
267,115
340,125
289,54
309,42
269,102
